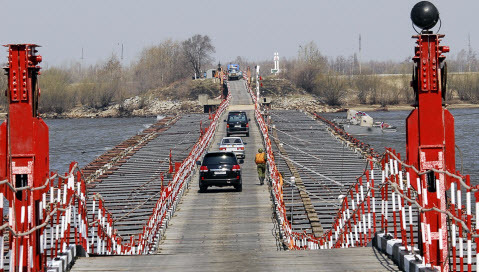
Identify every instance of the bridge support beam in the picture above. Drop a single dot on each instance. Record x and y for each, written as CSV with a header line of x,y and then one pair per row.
x,y
24,159
430,144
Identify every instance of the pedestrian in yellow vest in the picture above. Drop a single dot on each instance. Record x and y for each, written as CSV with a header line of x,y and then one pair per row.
x,y
280,186
260,160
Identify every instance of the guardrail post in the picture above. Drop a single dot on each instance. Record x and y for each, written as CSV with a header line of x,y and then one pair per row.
x,y
24,159
430,135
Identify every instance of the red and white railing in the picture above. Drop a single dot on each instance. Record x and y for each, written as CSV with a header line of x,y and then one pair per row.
x,y
64,220
364,147
291,239
391,206
166,205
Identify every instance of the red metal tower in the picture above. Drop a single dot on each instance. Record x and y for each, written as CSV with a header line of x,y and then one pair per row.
x,y
24,159
430,143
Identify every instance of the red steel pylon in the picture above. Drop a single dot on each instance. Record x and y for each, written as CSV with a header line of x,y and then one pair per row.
x,y
24,158
430,143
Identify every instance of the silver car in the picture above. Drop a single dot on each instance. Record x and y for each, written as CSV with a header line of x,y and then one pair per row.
x,y
233,144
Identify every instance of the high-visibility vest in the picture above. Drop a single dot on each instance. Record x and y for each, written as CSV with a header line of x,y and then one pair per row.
x,y
260,158
280,185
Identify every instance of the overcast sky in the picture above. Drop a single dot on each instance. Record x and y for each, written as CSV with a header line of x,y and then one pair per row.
x,y
251,29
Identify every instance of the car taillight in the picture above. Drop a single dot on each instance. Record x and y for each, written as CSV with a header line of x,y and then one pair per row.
x,y
204,168
247,125
227,126
236,168
240,148
222,148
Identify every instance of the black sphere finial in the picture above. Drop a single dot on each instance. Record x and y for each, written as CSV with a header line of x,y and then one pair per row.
x,y
424,15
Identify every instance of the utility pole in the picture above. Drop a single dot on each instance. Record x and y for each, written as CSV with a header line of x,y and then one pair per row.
x,y
121,52
81,62
469,52
257,85
359,57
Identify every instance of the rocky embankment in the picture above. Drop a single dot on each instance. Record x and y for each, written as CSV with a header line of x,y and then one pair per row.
x,y
139,107
301,102
178,97
132,107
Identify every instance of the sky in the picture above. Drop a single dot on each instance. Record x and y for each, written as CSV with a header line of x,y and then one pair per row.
x,y
247,28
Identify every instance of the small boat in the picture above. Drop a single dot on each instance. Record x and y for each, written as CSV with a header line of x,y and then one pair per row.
x,y
385,127
360,123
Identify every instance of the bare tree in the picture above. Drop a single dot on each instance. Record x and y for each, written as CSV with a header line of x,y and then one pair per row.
x,y
331,88
466,85
405,88
160,65
56,94
243,63
102,85
368,87
198,50
3,86
309,65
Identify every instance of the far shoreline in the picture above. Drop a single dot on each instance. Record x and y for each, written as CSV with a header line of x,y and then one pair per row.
x,y
404,107
358,107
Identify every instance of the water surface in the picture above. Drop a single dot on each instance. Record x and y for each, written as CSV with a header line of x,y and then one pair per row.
x,y
466,130
82,140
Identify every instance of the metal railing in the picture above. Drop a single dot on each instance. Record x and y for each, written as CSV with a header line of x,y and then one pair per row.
x,y
395,206
64,217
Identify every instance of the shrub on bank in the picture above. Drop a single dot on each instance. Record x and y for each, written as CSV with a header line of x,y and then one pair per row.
x,y
56,94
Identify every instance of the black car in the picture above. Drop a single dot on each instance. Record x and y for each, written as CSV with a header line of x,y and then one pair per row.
x,y
237,123
220,169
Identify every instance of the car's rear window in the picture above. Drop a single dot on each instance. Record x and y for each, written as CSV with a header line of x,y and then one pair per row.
x,y
232,141
224,158
237,117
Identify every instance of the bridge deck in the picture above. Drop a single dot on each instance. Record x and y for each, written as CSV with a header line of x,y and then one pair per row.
x,y
347,259
134,187
327,168
227,230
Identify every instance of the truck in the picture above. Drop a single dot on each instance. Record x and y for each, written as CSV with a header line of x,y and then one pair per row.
x,y
234,72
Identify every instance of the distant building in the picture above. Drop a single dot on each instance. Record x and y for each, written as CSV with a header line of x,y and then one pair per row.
x,y
211,73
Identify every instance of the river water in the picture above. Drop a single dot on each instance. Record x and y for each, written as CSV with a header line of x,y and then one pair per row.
x,y
466,130
82,140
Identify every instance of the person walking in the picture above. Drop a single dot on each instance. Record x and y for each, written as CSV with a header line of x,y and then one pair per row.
x,y
260,160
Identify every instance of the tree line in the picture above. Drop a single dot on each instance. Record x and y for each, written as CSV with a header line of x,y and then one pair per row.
x,y
108,81
166,67
344,80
